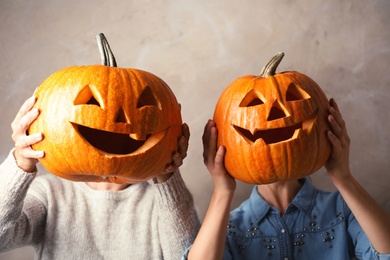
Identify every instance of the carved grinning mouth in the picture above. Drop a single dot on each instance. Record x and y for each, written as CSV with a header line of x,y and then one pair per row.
x,y
276,135
270,136
116,143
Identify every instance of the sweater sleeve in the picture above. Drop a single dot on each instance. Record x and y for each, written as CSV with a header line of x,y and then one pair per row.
x,y
20,216
178,221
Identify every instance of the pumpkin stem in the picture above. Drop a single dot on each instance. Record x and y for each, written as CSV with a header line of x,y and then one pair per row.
x,y
106,55
270,68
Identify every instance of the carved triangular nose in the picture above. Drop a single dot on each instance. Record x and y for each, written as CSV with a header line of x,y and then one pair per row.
x,y
276,112
121,117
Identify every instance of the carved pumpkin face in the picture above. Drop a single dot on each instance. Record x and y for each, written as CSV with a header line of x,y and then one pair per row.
x,y
273,127
104,123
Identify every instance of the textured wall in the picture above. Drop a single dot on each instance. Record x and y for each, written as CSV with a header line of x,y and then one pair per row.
x,y
198,47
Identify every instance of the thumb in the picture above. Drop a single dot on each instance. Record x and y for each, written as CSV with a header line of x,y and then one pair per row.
x,y
219,156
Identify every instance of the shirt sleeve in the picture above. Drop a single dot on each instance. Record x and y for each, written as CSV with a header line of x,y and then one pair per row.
x,y
363,248
178,222
21,217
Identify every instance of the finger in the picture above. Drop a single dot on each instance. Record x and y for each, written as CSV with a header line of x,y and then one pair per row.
x,y
27,105
219,157
184,141
183,147
28,140
206,139
211,146
30,153
177,161
186,131
170,168
20,127
336,144
335,127
206,132
335,111
334,104
338,117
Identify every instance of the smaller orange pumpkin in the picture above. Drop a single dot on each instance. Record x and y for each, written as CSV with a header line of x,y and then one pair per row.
x,y
273,125
104,123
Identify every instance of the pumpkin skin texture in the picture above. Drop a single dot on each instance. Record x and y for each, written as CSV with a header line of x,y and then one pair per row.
x,y
103,123
273,126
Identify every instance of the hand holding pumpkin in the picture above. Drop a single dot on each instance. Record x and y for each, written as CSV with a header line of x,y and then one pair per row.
x,y
25,156
177,157
214,159
338,162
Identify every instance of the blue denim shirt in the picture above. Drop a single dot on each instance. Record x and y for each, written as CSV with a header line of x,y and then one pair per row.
x,y
317,225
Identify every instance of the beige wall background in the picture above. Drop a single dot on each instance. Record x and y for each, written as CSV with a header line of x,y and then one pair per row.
x,y
198,47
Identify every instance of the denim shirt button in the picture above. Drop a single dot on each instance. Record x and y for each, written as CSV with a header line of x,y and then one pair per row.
x,y
286,258
283,231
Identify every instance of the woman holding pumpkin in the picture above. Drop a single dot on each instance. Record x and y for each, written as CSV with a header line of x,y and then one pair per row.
x,y
62,219
292,219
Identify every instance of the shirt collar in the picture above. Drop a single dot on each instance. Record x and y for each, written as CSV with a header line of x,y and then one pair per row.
x,y
304,200
258,205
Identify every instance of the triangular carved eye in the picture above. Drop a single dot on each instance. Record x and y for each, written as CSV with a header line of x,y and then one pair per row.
x,y
295,93
252,98
147,98
86,97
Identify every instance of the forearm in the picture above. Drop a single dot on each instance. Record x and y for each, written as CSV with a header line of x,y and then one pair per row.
x,y
374,220
210,242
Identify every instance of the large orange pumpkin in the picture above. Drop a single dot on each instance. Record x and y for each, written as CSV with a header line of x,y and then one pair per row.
x,y
273,125
104,123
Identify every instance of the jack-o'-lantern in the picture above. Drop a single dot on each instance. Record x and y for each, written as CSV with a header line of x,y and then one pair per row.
x,y
104,123
273,125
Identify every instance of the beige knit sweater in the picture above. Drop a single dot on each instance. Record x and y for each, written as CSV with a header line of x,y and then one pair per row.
x,y
69,220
